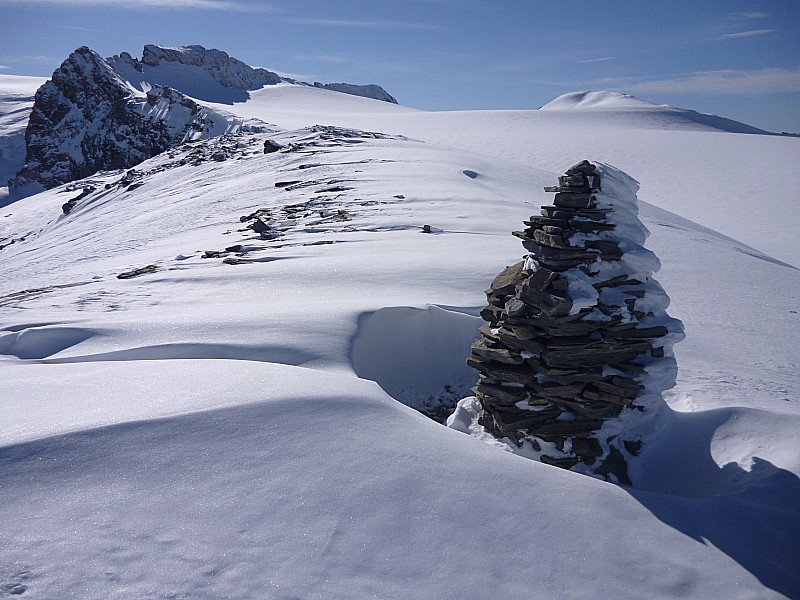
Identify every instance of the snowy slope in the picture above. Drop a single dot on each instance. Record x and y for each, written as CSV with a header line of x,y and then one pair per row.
x,y
16,101
645,112
208,430
725,181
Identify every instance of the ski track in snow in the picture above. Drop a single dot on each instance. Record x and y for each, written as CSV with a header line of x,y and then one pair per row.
x,y
212,430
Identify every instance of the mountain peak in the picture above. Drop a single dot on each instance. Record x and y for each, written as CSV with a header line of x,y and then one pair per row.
x,y
226,70
88,118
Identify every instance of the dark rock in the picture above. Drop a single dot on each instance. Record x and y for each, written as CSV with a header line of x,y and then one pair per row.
x,y
564,463
138,272
614,467
506,282
587,447
263,229
270,147
582,200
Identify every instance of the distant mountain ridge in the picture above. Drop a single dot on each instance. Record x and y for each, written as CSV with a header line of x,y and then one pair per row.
x,y
192,68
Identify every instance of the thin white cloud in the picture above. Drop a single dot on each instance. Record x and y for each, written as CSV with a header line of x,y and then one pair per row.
x,y
746,34
230,5
589,61
30,59
4,67
373,24
82,29
729,82
748,15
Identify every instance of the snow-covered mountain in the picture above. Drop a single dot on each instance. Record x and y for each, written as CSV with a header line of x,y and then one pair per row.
x,y
209,364
99,114
87,119
667,116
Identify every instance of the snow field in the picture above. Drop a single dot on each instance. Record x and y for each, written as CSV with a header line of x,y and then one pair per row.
x,y
208,430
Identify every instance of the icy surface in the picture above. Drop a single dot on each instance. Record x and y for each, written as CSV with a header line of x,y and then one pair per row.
x,y
202,430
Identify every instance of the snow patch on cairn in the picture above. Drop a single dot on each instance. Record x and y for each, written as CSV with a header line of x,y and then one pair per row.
x,y
577,348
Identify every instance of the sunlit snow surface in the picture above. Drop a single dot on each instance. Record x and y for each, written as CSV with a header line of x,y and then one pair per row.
x,y
210,430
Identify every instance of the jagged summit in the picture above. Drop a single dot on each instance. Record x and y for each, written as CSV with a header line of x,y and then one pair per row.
x,y
88,118
626,109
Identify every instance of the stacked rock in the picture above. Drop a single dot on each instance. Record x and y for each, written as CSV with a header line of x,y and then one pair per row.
x,y
577,347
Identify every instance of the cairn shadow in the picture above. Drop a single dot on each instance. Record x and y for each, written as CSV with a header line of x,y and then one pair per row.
x,y
751,515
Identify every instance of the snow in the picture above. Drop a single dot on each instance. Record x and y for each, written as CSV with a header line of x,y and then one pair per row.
x,y
16,102
598,101
219,430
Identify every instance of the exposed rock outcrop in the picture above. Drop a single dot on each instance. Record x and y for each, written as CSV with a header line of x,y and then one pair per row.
x,y
87,119
158,63
577,347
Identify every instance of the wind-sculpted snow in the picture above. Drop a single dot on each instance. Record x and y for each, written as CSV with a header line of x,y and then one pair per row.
x,y
201,430
418,356
641,110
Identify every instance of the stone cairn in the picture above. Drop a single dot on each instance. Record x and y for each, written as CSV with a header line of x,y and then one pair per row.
x,y
577,347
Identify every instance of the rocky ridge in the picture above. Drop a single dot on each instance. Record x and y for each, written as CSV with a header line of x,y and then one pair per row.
x,y
230,72
105,114
87,119
577,347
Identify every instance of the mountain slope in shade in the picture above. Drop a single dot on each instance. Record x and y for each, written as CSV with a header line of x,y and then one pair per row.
x,y
616,102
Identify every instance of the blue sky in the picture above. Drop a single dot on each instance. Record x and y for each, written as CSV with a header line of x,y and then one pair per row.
x,y
736,59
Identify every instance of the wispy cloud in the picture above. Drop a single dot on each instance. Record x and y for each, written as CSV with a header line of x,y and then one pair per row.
x,y
371,24
82,28
738,16
230,5
746,34
729,82
30,59
595,60
4,67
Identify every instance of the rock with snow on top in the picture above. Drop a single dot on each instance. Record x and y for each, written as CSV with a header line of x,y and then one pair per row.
x,y
578,345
